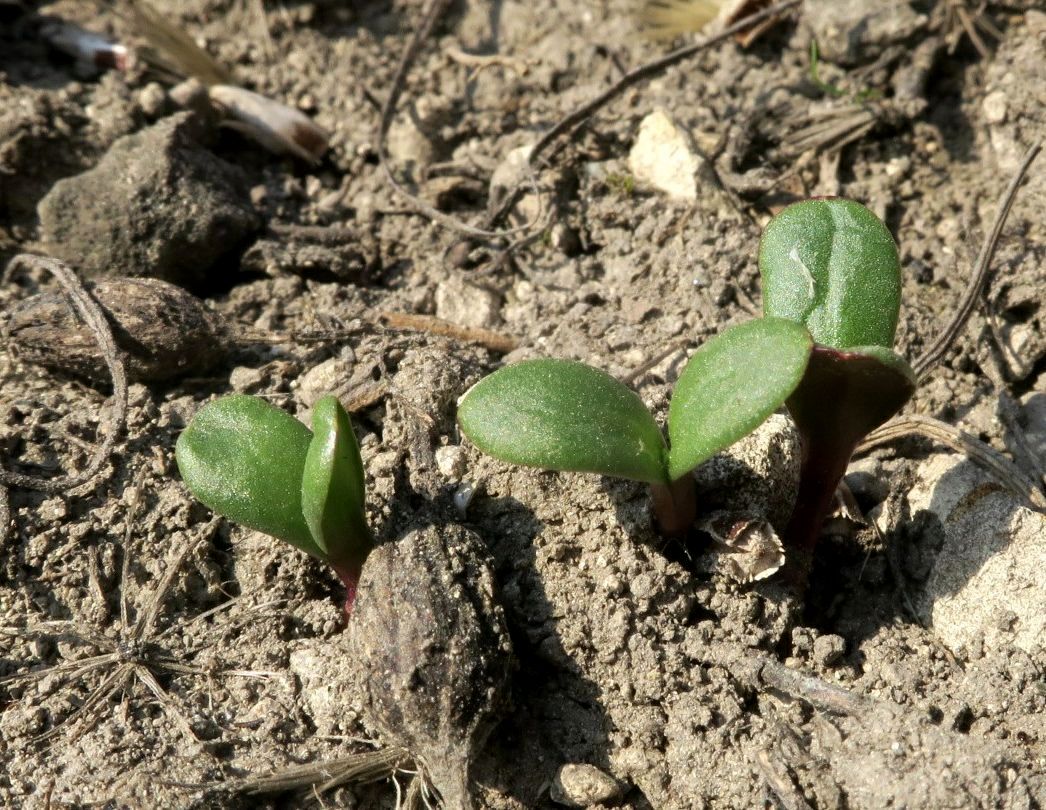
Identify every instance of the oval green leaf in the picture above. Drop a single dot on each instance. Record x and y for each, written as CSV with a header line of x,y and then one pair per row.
x,y
832,265
332,486
731,385
564,415
244,458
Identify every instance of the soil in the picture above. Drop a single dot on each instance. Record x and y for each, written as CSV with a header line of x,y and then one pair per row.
x,y
154,656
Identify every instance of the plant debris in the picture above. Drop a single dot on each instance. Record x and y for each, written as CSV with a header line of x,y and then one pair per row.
x,y
433,652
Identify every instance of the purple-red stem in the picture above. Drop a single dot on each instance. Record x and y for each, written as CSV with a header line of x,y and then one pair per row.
x,y
675,506
824,464
349,574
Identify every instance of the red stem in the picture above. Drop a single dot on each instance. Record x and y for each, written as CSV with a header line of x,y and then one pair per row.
x,y
349,574
824,465
675,506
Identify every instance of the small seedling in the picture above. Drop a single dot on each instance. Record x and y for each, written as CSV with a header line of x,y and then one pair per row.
x,y
563,415
832,266
257,465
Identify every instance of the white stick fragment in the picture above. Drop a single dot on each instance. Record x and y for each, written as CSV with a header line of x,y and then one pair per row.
x,y
88,48
277,127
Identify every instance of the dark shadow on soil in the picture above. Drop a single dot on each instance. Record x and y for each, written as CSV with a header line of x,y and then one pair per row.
x,y
854,589
556,715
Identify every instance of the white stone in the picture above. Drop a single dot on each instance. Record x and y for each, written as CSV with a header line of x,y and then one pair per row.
x,y
323,379
311,668
466,304
987,581
578,785
512,171
994,106
451,461
664,157
408,147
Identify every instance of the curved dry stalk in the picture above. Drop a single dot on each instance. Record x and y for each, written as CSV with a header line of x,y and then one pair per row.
x,y
932,356
778,778
84,304
977,451
5,514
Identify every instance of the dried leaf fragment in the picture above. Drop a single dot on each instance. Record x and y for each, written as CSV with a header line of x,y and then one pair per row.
x,y
747,549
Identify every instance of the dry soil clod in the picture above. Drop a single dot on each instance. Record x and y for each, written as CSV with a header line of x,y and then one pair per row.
x,y
434,651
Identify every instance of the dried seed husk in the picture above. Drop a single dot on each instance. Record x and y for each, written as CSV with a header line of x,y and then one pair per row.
x,y
433,651
278,127
163,331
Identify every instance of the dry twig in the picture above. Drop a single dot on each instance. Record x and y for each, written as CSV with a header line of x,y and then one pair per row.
x,y
433,13
494,341
932,356
84,304
132,653
818,693
959,20
369,766
778,778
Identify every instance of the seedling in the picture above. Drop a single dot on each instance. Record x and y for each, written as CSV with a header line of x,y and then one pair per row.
x,y
563,415
257,465
832,266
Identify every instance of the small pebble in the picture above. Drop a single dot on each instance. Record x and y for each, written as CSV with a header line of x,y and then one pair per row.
x,y
244,379
994,106
53,509
829,649
467,305
578,785
152,99
451,461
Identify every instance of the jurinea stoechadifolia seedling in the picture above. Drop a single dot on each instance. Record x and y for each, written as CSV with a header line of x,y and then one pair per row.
x,y
563,415
257,465
832,266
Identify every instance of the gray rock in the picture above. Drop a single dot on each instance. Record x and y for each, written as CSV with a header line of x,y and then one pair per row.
x,y
1033,406
985,584
579,785
158,204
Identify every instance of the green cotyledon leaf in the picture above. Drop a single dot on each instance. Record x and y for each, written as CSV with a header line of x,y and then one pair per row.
x,y
731,385
332,486
244,459
832,265
564,415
